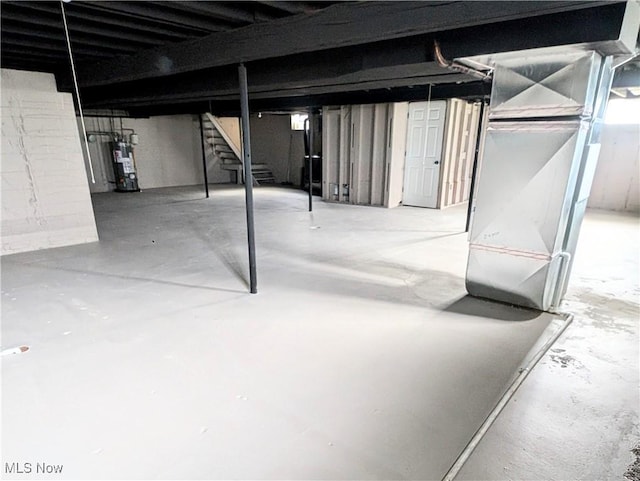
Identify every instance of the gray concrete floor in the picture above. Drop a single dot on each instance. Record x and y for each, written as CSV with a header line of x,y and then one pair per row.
x,y
361,358
576,416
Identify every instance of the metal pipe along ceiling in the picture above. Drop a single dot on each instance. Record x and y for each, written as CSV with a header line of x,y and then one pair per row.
x,y
458,67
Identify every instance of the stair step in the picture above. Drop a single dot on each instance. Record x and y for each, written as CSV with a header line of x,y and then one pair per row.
x,y
216,141
231,166
223,148
260,173
269,180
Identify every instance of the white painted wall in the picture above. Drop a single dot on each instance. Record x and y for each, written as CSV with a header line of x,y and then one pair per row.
x,y
616,185
45,198
169,153
274,143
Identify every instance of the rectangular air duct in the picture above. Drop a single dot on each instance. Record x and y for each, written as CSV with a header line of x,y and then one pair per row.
x,y
546,109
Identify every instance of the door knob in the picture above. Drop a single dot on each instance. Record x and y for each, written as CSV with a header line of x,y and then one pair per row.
x,y
437,162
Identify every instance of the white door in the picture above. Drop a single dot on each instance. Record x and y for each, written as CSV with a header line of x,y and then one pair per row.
x,y
424,153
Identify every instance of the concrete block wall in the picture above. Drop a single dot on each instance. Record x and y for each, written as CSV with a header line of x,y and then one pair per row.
x,y
169,153
45,196
616,184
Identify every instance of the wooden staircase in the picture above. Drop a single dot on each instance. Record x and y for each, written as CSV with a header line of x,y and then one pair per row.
x,y
224,152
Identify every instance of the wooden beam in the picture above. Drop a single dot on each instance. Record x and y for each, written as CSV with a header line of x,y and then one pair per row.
x,y
159,13
272,79
81,13
273,92
49,48
96,48
217,10
229,108
52,53
86,28
344,24
395,63
94,39
292,8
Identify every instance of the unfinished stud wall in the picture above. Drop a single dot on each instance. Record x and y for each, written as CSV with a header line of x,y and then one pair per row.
x,y
364,148
45,197
616,184
363,153
369,153
396,147
461,129
169,153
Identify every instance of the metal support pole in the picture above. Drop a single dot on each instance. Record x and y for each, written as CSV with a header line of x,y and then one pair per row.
x,y
248,178
204,159
310,160
474,169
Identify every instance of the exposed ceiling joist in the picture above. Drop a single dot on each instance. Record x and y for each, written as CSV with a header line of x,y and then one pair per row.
x,y
399,62
220,11
57,42
291,7
285,90
293,50
61,48
56,35
80,14
160,14
470,90
339,25
22,50
87,29
15,57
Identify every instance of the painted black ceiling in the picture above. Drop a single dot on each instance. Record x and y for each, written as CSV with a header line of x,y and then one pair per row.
x,y
181,56
33,34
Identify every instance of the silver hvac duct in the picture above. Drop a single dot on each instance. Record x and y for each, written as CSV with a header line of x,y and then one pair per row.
x,y
540,154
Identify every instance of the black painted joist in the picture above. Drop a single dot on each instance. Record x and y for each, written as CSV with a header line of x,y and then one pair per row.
x,y
53,34
10,38
161,13
472,91
393,63
349,23
387,64
238,15
277,91
88,27
80,14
